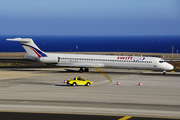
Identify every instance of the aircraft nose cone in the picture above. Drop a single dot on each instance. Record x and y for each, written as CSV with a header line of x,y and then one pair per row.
x,y
170,67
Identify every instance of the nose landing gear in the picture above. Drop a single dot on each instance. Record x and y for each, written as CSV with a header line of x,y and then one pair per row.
x,y
164,72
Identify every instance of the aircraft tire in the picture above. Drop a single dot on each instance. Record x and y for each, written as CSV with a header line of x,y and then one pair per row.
x,y
164,72
80,70
86,69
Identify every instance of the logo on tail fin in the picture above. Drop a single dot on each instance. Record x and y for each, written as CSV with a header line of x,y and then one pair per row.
x,y
38,52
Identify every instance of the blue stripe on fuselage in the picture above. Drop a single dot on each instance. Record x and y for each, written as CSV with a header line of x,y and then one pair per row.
x,y
40,52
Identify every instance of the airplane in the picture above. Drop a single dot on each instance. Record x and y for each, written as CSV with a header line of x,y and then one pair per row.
x,y
85,61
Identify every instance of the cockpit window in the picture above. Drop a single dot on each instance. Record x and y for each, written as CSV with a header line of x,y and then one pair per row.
x,y
161,61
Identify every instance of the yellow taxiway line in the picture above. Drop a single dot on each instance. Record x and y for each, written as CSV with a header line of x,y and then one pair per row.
x,y
125,118
104,74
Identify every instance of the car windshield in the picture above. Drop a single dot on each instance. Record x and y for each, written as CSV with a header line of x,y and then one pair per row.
x,y
79,78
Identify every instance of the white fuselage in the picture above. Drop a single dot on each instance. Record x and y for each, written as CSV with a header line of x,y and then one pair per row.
x,y
109,61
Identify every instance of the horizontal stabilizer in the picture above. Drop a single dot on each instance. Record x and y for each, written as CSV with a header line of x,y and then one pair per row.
x,y
30,47
20,39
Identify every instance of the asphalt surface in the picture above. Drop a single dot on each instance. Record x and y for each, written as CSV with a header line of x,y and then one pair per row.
x,y
47,116
42,91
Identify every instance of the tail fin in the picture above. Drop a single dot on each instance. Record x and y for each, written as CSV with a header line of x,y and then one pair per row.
x,y
30,47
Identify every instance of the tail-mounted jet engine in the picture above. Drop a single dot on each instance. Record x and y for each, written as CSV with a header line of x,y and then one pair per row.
x,y
49,60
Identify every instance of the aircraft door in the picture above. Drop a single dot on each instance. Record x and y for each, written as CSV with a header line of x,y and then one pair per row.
x,y
58,59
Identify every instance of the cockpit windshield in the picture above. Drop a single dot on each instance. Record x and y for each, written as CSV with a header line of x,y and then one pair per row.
x,y
162,61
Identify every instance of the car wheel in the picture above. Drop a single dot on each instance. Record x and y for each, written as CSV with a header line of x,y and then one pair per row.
x,y
74,84
88,84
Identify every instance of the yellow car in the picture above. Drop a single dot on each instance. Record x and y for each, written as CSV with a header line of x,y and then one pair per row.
x,y
78,81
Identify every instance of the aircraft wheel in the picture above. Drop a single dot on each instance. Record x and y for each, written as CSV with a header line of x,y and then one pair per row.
x,y
86,70
80,70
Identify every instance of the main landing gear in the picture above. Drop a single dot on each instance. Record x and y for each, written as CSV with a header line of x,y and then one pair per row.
x,y
83,70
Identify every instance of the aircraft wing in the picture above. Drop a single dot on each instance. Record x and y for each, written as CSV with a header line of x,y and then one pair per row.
x,y
81,65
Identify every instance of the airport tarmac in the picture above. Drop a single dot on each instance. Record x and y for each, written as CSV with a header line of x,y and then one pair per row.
x,y
42,90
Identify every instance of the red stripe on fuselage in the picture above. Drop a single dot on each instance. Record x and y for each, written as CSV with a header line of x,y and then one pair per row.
x,y
36,52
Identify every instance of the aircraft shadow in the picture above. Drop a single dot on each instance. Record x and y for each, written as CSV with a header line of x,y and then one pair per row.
x,y
93,72
140,73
